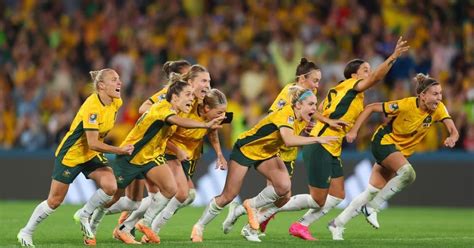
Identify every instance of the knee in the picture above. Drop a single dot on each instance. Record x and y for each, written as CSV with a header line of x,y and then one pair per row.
x,y
169,191
181,195
318,198
109,188
225,198
407,173
54,202
282,187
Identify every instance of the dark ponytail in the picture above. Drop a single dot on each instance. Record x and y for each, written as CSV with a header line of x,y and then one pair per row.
x,y
305,67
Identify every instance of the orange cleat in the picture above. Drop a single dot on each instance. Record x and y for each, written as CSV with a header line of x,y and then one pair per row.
x,y
196,234
123,216
149,233
125,237
89,241
251,214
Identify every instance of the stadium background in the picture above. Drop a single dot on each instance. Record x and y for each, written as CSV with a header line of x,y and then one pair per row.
x,y
251,49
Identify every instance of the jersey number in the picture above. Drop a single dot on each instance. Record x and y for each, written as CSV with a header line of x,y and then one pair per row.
x,y
332,93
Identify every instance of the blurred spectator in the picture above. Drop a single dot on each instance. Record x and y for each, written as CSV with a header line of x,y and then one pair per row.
x,y
251,49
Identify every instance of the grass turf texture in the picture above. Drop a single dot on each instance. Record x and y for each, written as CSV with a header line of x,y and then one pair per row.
x,y
400,227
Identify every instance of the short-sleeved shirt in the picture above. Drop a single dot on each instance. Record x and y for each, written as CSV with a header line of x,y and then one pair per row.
x,y
408,124
343,102
159,96
264,140
150,134
190,140
287,154
93,115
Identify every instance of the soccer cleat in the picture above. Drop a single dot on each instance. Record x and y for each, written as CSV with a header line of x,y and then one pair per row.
x,y
123,216
196,233
250,234
371,216
125,237
336,231
263,225
145,240
150,234
252,215
300,231
25,239
230,220
89,237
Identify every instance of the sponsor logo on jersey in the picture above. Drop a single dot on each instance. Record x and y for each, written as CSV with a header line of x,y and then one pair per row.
x,y
393,107
291,120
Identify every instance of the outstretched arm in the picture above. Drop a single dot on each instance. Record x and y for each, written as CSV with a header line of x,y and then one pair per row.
x,y
368,110
382,69
453,133
189,123
95,144
290,139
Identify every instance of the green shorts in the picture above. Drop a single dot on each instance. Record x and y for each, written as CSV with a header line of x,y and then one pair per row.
x,y
240,158
290,166
321,166
189,166
66,174
379,151
125,172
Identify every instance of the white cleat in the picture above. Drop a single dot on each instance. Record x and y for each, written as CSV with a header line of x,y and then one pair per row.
x,y
336,231
85,226
371,216
230,220
250,234
25,239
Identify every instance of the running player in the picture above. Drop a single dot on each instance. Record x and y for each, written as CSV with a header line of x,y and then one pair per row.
x,y
323,165
258,147
409,121
81,150
190,141
308,76
149,136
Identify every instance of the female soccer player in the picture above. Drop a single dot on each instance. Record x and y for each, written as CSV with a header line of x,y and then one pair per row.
x,y
258,147
132,201
392,144
308,76
81,150
149,136
190,142
323,165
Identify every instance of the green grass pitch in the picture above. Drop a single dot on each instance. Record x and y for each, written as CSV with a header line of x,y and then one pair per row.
x,y
400,227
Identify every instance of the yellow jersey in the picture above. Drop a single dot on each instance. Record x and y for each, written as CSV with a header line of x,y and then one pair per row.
x,y
342,102
159,96
93,115
190,140
150,133
264,141
408,124
287,154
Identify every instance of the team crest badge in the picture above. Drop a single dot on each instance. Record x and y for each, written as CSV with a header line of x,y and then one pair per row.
x,y
66,173
281,103
93,119
427,121
393,107
162,97
291,120
120,179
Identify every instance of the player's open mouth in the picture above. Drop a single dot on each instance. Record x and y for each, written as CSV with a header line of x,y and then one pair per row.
x,y
117,90
188,105
310,114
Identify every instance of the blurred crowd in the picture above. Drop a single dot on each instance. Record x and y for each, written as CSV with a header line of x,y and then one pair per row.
x,y
251,49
